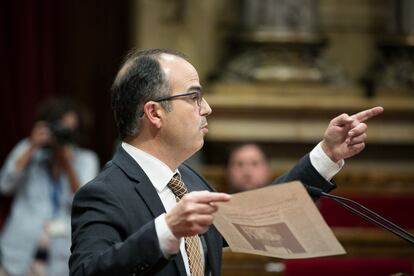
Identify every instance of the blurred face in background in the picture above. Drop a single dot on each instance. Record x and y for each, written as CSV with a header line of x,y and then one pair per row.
x,y
247,169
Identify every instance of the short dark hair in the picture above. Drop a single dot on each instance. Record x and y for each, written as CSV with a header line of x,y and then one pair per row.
x,y
233,148
53,109
140,79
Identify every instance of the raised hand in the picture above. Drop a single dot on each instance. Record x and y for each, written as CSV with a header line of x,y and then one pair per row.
x,y
39,137
345,135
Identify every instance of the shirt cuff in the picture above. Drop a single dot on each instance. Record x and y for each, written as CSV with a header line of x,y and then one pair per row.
x,y
323,164
169,244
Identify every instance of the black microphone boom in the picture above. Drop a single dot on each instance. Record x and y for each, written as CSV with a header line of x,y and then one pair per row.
x,y
379,221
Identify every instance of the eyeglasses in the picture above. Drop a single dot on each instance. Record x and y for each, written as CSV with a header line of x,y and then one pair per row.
x,y
196,96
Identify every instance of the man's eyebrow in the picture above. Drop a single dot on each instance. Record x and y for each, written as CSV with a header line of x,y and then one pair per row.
x,y
195,88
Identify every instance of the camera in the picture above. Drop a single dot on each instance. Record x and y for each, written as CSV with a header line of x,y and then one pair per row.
x,y
63,135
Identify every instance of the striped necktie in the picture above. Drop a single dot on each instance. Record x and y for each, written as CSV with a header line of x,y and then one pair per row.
x,y
192,244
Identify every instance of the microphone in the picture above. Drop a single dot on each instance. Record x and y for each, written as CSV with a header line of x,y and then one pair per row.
x,y
375,219
314,191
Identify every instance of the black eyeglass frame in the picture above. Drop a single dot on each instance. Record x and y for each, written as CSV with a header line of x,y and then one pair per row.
x,y
168,98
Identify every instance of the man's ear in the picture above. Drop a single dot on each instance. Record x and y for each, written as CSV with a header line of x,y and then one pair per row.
x,y
153,111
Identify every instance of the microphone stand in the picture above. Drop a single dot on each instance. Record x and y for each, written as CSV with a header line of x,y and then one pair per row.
x,y
375,219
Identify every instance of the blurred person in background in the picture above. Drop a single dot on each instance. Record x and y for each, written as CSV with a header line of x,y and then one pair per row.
x,y
247,168
43,171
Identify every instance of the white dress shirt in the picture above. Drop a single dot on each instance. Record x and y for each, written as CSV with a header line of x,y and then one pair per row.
x,y
160,174
323,164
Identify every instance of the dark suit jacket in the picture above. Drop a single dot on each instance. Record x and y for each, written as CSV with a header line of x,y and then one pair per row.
x,y
113,230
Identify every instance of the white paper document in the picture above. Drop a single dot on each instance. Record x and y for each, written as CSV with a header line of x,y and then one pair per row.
x,y
279,221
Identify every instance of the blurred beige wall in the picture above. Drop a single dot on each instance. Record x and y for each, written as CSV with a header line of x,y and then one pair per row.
x,y
200,29
196,28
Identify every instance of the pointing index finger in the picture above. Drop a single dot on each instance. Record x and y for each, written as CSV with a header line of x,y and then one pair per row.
x,y
207,197
369,113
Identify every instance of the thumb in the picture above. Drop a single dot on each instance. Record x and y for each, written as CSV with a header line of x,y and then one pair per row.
x,y
342,120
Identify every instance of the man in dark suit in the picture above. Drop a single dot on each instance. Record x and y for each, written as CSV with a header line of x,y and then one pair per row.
x,y
137,217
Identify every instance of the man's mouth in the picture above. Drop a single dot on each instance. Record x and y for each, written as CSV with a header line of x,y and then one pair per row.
x,y
205,127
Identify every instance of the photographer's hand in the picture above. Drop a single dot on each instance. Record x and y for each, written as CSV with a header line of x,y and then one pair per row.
x,y
39,137
64,154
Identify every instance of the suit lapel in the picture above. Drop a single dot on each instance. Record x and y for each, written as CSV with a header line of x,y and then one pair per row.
x,y
150,196
146,191
144,187
191,184
211,258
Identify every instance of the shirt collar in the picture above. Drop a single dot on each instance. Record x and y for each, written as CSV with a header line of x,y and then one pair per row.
x,y
157,171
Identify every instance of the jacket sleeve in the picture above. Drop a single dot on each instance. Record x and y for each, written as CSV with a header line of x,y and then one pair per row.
x,y
307,174
101,241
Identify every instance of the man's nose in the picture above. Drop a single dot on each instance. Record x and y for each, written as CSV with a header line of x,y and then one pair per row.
x,y
205,108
